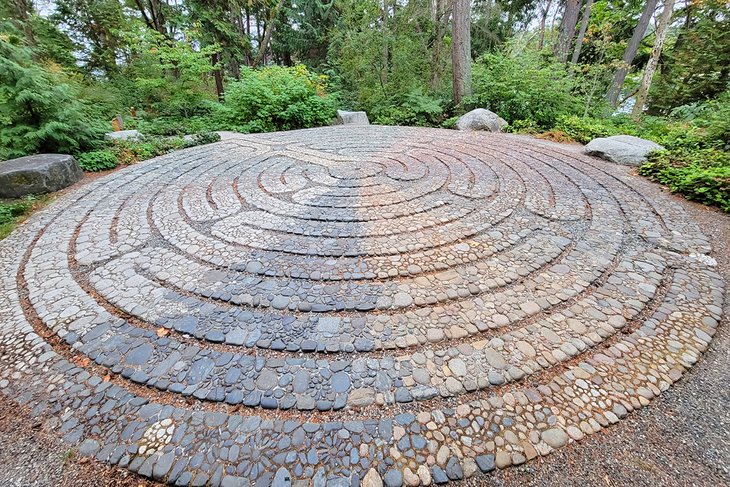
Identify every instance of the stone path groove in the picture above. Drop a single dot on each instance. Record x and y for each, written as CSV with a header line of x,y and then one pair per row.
x,y
337,305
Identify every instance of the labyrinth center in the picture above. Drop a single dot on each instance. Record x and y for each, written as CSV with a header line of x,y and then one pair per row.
x,y
339,305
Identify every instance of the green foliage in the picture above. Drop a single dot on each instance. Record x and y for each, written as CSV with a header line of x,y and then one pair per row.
x,y
94,26
13,211
39,111
10,211
415,108
203,138
173,126
702,175
98,160
131,152
276,98
584,130
523,127
696,162
695,68
383,59
169,78
123,152
450,123
525,88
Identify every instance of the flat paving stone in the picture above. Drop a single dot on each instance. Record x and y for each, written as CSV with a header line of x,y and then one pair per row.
x,y
328,306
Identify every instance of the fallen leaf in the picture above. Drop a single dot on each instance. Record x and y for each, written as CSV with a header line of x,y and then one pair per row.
x,y
81,361
162,332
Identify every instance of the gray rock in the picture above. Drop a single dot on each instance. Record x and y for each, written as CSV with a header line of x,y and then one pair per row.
x,y
282,478
123,135
42,173
485,463
372,479
481,119
555,437
360,398
622,149
352,118
393,478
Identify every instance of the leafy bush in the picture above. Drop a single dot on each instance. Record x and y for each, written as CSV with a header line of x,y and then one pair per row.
x,y
172,126
276,98
10,211
98,160
131,152
39,111
702,175
450,123
525,88
523,127
584,130
203,138
415,108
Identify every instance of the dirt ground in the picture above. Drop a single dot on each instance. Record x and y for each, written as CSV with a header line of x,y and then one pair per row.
x,y
681,439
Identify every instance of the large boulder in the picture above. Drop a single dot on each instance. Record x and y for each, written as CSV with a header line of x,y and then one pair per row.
x,y
481,119
352,118
621,149
132,135
38,174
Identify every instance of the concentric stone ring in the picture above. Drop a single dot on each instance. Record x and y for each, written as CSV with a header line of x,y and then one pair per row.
x,y
350,304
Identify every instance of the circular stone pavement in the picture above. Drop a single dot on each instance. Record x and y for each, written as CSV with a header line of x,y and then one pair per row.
x,y
347,304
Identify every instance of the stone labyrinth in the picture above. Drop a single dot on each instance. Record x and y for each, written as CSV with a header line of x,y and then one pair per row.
x,y
346,305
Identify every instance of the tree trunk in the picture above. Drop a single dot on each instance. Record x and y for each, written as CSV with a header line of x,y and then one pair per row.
x,y
567,29
661,34
461,50
215,61
541,42
582,31
441,19
21,10
384,51
268,31
639,32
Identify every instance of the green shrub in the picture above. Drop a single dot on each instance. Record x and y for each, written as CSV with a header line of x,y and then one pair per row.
x,y
523,127
584,130
525,88
39,110
415,108
173,126
98,160
450,123
203,138
702,175
10,211
131,152
276,98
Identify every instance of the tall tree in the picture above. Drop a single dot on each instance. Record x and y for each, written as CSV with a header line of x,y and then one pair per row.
x,y
582,31
95,26
661,34
543,18
154,14
567,29
268,31
440,13
639,32
690,72
461,50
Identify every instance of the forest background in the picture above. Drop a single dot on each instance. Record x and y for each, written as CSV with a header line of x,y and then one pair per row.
x,y
566,70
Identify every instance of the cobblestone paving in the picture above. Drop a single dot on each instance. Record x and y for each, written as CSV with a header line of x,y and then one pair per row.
x,y
346,305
